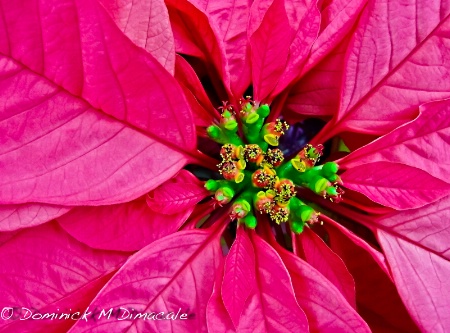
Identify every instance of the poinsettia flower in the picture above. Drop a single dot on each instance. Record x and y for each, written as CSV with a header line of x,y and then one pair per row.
x,y
295,58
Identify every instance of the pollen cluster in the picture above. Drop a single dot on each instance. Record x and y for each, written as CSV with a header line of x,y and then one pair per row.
x,y
257,178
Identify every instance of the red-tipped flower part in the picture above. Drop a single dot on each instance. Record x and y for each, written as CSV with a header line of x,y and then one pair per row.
x,y
232,170
228,121
224,195
314,152
262,178
263,202
279,214
253,153
307,214
226,106
230,152
334,193
307,157
285,190
248,112
272,131
240,209
274,157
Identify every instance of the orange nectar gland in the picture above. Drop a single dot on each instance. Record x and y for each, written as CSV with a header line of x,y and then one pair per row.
x,y
255,171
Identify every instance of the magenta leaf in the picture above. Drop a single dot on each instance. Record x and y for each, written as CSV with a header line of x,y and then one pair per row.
x,y
231,19
317,93
425,227
416,246
337,18
147,24
272,306
422,280
123,227
6,236
14,217
45,270
395,185
217,317
239,276
177,195
398,60
325,306
422,143
377,299
280,41
175,273
202,109
322,258
96,63
196,36
74,154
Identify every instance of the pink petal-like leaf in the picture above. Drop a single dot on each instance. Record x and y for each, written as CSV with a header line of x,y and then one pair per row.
x,y
122,227
177,195
55,81
317,93
422,143
79,48
239,276
202,109
47,270
376,296
195,35
14,217
424,227
325,306
337,18
74,154
395,185
272,306
416,246
422,280
147,24
231,19
322,258
217,317
280,41
175,272
399,59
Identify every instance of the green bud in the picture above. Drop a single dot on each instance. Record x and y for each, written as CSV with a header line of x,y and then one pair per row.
x,y
297,227
263,110
252,118
304,213
213,131
330,168
333,178
250,221
224,195
212,185
226,114
319,184
231,125
331,191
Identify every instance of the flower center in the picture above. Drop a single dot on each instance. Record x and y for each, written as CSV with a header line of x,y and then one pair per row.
x,y
257,176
